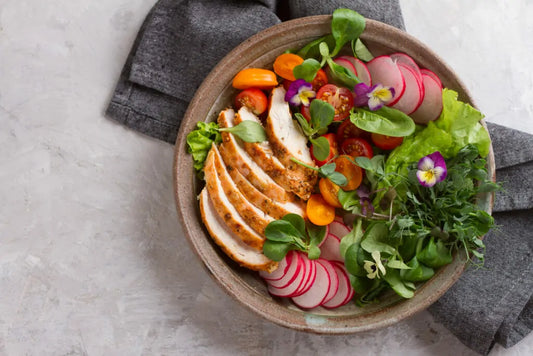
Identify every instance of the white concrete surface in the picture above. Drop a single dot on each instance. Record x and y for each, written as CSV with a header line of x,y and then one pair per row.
x,y
92,258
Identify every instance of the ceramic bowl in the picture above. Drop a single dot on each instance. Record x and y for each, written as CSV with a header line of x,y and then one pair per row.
x,y
246,286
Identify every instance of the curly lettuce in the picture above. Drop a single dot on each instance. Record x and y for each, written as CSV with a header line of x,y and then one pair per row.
x,y
457,126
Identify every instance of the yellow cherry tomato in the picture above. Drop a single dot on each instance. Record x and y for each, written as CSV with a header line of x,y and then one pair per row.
x,y
318,211
285,63
255,78
329,191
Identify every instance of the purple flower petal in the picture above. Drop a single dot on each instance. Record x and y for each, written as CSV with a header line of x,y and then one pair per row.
x,y
367,208
431,169
299,92
361,91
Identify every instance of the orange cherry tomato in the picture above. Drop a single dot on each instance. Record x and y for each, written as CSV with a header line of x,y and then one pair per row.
x,y
329,191
285,63
255,78
352,172
386,142
254,99
318,211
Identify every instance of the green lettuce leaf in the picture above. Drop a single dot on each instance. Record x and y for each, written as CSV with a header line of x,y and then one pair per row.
x,y
457,126
199,142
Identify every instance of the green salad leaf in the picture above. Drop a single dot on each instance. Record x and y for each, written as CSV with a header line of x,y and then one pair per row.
x,y
199,142
384,121
360,51
457,126
292,232
346,25
248,131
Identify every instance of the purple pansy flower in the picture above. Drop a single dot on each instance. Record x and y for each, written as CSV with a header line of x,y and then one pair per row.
x,y
374,97
367,209
299,93
431,169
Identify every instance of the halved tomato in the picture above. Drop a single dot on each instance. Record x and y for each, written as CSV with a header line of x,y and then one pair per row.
x,y
319,212
357,146
386,142
254,99
333,150
339,97
347,129
352,172
285,63
255,78
329,191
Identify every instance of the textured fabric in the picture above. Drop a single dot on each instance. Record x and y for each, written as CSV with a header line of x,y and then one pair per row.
x,y
180,42
493,304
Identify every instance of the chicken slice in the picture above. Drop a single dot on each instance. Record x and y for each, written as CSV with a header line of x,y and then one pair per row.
x,y
261,153
227,212
273,208
237,250
235,156
288,143
253,216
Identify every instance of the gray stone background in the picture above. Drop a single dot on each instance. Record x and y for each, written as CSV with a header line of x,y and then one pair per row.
x,y
92,258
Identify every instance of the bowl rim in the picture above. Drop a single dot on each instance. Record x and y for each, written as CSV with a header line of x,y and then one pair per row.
x,y
224,274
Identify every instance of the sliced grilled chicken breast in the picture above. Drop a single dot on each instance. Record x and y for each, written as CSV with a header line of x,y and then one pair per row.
x,y
271,207
252,215
288,142
261,153
235,156
237,250
225,209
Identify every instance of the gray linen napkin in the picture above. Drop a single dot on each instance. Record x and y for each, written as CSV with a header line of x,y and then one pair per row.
x,y
180,41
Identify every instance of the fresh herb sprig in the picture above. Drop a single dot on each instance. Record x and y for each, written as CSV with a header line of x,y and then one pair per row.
x,y
326,171
322,115
292,232
428,225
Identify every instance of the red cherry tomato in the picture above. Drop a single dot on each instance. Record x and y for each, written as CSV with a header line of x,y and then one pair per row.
x,y
304,110
333,150
340,98
347,129
356,146
386,142
254,99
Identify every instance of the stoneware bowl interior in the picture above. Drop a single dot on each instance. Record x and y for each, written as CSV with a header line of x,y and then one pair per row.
x,y
245,286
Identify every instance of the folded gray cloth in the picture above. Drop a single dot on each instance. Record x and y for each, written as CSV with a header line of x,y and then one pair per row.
x,y
180,41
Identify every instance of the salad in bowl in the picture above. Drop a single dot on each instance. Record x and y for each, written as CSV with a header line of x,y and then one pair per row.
x,y
340,176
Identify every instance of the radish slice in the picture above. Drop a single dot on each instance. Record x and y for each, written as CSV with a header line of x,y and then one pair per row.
x,y
402,58
308,278
414,91
432,75
282,269
386,72
318,291
431,106
343,293
360,69
346,64
339,229
352,291
291,288
333,279
292,272
330,249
